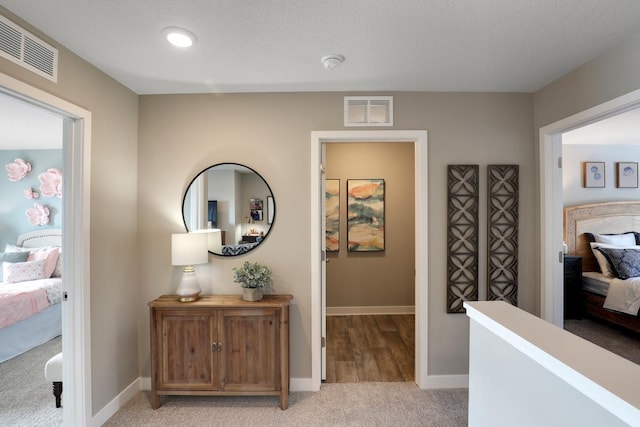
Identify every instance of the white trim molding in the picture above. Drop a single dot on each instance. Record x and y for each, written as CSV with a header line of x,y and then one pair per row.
x,y
419,138
76,331
551,202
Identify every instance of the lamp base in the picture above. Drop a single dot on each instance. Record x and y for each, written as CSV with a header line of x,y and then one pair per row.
x,y
187,298
188,288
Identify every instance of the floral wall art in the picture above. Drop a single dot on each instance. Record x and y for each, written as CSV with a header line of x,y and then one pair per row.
x,y
30,192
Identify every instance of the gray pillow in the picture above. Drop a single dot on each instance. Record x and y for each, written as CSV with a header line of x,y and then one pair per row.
x,y
12,257
625,262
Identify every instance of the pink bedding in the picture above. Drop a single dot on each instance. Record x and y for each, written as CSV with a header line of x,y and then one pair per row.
x,y
21,300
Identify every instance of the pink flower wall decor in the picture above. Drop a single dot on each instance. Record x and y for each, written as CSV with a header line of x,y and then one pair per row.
x,y
30,194
18,169
38,215
51,183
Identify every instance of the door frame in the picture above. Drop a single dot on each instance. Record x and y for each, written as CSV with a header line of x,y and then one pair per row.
x,y
419,138
76,342
551,202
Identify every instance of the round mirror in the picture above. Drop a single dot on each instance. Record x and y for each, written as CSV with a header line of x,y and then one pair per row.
x,y
233,204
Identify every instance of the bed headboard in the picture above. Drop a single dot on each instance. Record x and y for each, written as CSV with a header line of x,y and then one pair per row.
x,y
44,237
600,218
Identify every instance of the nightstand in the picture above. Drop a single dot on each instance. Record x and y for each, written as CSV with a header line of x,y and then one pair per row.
x,y
573,300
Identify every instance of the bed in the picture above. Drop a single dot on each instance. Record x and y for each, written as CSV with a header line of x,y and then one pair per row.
x,y
22,331
615,219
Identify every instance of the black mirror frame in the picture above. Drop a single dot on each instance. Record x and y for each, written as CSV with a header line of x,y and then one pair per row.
x,y
275,210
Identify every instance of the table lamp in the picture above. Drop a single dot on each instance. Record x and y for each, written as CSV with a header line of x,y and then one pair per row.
x,y
189,249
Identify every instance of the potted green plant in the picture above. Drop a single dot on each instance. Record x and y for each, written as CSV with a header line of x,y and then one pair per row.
x,y
252,277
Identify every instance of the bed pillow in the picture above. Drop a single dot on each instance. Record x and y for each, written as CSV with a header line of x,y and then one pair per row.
x,y
49,253
14,272
12,257
625,262
603,262
622,240
57,272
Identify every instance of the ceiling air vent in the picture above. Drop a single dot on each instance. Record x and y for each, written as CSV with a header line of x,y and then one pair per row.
x,y
23,48
368,110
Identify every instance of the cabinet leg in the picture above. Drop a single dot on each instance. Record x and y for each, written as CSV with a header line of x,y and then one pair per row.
x,y
155,400
284,400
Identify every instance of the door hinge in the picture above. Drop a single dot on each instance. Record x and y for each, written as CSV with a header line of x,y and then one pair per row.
x,y
323,342
323,256
65,297
323,169
560,162
561,257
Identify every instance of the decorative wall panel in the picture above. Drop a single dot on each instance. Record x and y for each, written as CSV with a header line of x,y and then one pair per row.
x,y
462,236
502,214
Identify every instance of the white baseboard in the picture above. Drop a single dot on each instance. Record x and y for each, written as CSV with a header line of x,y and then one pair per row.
x,y
300,384
118,402
145,383
447,381
371,310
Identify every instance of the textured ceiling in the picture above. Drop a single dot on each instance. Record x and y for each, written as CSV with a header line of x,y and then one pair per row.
x,y
270,46
276,45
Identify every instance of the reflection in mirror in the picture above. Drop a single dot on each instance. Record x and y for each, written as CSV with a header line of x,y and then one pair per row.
x,y
233,204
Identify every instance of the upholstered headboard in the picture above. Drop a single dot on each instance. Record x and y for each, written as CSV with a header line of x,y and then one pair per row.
x,y
600,218
44,237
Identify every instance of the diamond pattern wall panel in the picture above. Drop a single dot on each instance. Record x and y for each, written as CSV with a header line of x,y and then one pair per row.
x,y
462,236
502,214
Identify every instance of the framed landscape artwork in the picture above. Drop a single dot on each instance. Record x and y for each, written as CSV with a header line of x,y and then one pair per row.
x,y
332,211
365,215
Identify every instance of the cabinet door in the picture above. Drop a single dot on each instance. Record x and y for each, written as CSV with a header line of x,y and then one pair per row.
x,y
251,349
186,360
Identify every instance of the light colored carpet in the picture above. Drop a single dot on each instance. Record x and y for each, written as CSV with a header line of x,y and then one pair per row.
x,y
26,399
360,404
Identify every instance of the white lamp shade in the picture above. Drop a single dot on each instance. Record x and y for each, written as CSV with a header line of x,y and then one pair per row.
x,y
189,249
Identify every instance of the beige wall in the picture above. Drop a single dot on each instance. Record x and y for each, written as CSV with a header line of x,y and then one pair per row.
x,y
356,279
114,284
607,76
182,134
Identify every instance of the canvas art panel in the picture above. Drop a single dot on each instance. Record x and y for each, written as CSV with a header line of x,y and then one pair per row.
x,y
365,215
594,175
627,174
332,211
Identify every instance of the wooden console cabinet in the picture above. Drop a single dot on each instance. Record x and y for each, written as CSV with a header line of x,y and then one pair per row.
x,y
220,345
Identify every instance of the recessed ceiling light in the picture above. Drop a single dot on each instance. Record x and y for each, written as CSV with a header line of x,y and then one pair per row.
x,y
179,36
331,62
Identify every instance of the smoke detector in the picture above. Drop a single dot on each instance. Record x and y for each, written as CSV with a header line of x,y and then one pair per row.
x,y
331,62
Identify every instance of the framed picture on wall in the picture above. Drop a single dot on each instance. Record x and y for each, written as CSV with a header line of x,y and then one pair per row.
x,y
332,212
627,174
365,215
593,174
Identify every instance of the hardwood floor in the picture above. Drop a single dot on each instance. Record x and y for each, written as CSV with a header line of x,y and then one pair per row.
x,y
370,348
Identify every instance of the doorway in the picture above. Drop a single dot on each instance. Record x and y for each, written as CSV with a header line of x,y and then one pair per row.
x,y
75,225
318,314
370,290
551,202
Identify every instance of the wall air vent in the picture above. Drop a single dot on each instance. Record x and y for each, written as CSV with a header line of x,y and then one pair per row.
x,y
28,51
368,110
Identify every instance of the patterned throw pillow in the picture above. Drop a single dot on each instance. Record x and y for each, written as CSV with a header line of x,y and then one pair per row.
x,y
624,261
12,257
15,272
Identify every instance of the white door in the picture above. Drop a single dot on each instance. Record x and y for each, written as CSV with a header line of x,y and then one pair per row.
x,y
323,252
